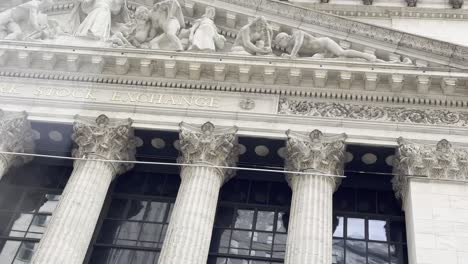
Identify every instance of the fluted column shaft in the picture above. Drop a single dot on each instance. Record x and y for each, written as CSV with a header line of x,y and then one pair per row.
x,y
310,221
310,226
72,225
188,236
189,233
69,232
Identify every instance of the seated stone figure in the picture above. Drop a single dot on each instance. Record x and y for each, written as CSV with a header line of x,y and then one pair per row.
x,y
254,38
18,22
167,19
304,44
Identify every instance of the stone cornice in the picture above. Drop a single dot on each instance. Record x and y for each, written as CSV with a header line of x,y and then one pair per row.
x,y
315,152
209,145
345,79
389,11
441,161
16,136
103,138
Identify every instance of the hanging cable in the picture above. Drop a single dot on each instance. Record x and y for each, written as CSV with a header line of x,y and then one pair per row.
x,y
173,164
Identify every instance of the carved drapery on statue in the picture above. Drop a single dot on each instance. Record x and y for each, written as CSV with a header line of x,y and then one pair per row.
x,y
106,139
440,161
16,136
208,145
315,153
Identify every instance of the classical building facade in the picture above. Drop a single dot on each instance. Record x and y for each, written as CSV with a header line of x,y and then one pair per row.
x,y
233,132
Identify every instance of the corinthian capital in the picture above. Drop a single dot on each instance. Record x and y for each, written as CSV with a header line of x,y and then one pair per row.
x,y
436,161
103,138
16,136
315,152
209,145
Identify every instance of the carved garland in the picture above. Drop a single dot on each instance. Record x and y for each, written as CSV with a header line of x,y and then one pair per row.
x,y
372,112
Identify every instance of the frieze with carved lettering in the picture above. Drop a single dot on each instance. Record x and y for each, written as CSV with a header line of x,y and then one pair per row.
x,y
372,112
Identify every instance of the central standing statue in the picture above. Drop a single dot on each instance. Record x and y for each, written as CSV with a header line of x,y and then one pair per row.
x,y
100,15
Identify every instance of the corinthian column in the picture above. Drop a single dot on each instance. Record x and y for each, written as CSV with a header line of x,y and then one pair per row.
x,y
310,222
69,232
15,136
432,182
189,233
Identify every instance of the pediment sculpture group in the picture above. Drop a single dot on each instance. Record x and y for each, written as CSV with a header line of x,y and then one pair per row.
x,y
162,27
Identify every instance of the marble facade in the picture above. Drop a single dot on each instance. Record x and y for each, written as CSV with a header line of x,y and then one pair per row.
x,y
214,70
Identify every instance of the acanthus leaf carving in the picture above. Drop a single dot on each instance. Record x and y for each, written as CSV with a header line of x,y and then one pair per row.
x,y
16,136
208,145
440,161
373,112
106,139
315,153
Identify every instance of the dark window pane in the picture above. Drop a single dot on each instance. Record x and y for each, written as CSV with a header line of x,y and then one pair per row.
x,y
144,257
26,252
220,240
235,191
338,251
355,228
151,232
355,252
109,231
5,218
171,186
224,216
377,253
137,210
388,204
378,230
398,254
9,198
397,231
154,185
344,200
259,193
280,194
117,208
8,250
366,201
130,183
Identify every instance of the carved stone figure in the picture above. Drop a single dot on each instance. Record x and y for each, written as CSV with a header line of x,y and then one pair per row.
x,y
94,18
18,22
456,4
204,34
305,45
412,3
254,38
167,19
